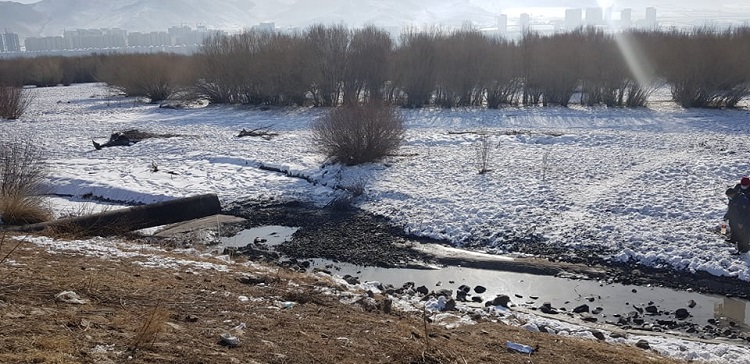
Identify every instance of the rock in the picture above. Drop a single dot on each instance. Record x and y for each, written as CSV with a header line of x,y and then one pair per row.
x,y
518,295
591,299
500,300
597,310
682,313
464,288
589,318
548,309
447,293
477,299
691,304
581,309
461,296
643,344
450,305
423,290
652,309
351,280
480,289
252,279
598,334
634,290
617,335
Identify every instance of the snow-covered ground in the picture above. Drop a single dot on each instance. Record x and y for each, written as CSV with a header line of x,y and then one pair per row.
x,y
647,183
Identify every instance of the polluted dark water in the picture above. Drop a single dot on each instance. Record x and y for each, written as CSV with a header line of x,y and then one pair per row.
x,y
270,235
627,306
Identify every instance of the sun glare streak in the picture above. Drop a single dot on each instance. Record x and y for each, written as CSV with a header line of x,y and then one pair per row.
x,y
633,55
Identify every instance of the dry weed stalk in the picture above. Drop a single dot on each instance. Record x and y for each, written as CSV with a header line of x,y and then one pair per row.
x,y
484,154
151,328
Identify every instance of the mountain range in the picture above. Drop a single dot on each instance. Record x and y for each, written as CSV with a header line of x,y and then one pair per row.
x,y
52,17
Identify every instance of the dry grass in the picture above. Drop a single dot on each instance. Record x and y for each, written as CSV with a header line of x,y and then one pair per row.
x,y
22,170
153,324
178,315
21,210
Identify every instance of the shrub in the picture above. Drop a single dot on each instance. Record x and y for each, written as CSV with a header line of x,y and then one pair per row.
x,y
158,77
356,134
22,170
13,102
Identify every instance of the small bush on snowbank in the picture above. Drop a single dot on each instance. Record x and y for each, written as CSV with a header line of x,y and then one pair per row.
x,y
357,134
22,170
13,102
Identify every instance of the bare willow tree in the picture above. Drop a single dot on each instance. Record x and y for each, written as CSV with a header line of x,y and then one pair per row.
x,y
502,82
462,60
415,67
704,67
155,76
329,47
367,65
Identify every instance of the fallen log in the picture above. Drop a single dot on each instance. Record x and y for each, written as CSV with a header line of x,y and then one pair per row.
x,y
132,218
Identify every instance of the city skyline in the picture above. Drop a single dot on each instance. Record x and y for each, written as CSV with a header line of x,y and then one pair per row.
x,y
508,25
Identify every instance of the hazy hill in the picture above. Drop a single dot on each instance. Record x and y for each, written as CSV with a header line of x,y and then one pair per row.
x,y
51,17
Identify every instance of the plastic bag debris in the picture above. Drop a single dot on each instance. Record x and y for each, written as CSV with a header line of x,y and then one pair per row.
x,y
523,349
229,340
69,297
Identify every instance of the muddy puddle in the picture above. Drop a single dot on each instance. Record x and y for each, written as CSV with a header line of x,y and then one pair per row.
x,y
645,308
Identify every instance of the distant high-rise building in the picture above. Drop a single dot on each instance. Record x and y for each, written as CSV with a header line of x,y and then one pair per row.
x,y
626,20
265,27
502,24
594,16
650,18
525,23
2,45
573,18
12,43
608,15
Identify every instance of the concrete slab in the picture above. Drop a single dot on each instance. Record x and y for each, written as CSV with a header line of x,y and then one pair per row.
x,y
209,222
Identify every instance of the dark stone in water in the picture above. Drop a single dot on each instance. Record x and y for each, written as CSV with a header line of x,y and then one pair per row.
x,y
652,309
464,288
423,290
480,289
597,310
477,299
682,313
581,309
691,304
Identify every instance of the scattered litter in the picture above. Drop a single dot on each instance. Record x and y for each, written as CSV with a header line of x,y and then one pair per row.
x,y
243,298
239,327
229,340
288,304
523,349
69,297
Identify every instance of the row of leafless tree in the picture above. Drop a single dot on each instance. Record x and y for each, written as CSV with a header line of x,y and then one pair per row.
x,y
333,65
